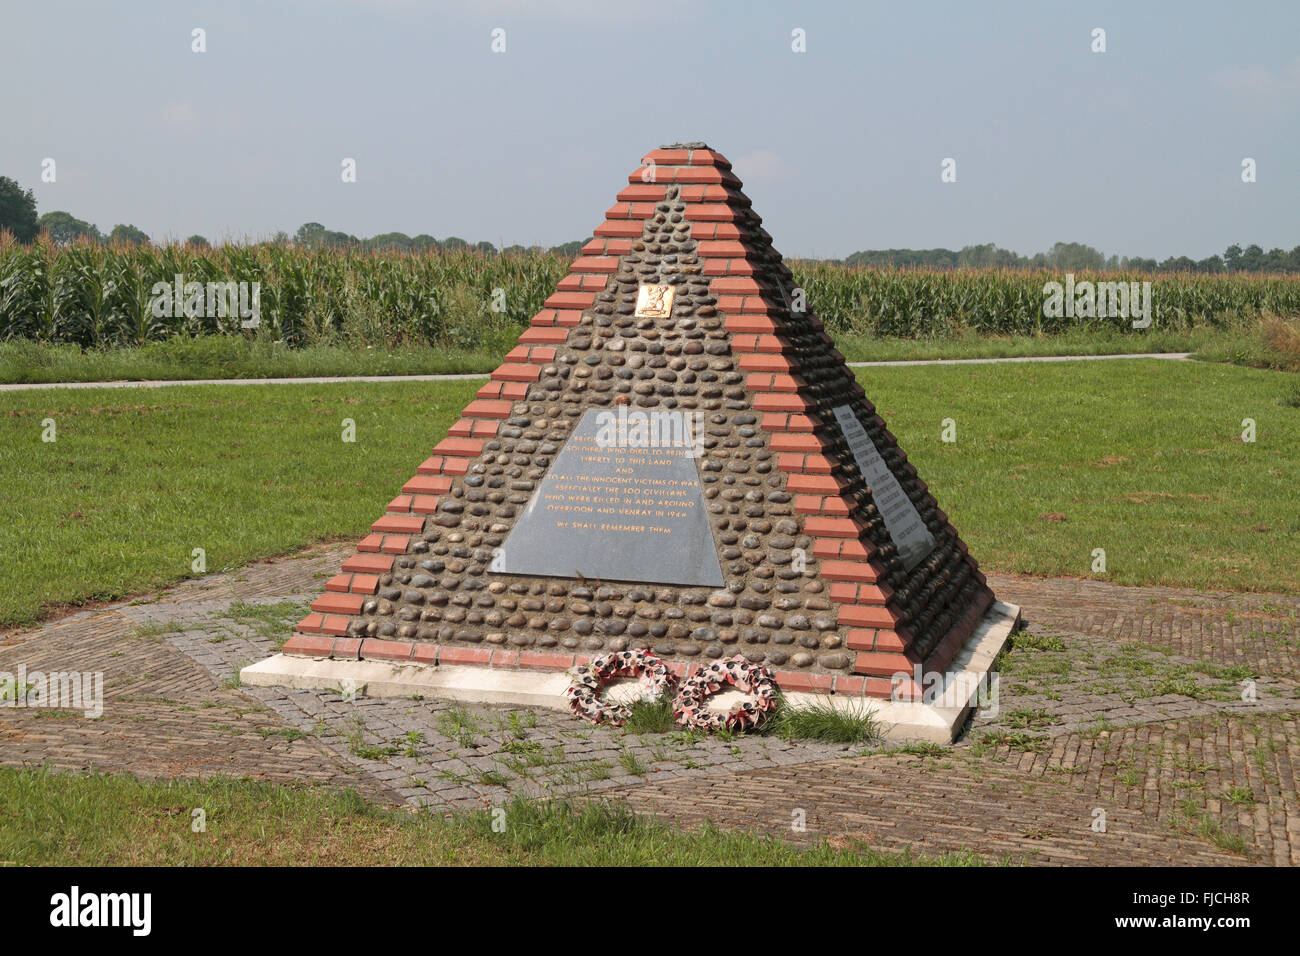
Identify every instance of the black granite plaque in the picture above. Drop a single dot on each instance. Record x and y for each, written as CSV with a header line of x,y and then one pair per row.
x,y
621,502
910,535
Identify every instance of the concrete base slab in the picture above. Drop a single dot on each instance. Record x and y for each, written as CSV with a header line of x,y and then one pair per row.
x,y
473,685
949,699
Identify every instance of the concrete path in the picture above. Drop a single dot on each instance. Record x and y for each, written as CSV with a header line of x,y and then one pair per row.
x,y
325,380
1122,705
1175,356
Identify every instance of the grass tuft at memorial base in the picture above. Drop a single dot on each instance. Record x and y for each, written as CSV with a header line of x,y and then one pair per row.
x,y
1149,461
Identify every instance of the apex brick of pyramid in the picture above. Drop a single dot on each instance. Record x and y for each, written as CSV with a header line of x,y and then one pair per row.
x,y
838,570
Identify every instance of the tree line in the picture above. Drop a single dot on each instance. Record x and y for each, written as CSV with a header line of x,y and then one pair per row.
x,y
313,235
1076,257
18,215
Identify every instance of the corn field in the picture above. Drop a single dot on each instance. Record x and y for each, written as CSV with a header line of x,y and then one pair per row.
x,y
99,296
912,303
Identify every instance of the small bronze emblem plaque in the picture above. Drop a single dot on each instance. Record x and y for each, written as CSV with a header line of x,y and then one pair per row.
x,y
654,302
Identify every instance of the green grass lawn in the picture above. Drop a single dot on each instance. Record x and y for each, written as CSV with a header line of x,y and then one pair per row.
x,y
1141,458
220,356
95,820
137,480
861,348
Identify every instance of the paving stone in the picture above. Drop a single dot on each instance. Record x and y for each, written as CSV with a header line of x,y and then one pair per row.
x,y
1165,767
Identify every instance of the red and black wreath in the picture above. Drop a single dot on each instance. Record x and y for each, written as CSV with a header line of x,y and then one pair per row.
x,y
589,680
690,709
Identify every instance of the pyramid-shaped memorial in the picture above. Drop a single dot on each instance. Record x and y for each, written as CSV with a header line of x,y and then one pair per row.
x,y
674,457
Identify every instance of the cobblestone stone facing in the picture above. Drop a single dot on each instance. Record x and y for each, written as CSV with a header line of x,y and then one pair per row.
x,y
588,349
766,610
932,597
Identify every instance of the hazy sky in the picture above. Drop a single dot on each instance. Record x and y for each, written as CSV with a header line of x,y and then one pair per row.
x,y
1137,150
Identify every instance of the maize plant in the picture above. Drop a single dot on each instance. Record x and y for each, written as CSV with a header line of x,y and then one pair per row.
x,y
94,296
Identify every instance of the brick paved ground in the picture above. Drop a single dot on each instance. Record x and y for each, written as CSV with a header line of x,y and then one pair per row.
x,y
1122,702
172,709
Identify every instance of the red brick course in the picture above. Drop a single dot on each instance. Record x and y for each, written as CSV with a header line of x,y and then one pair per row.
x,y
309,645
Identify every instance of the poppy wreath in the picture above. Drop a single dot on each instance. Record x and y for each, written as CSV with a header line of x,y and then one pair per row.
x,y
689,705
590,679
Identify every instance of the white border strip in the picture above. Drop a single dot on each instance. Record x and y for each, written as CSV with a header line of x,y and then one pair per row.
x,y
900,720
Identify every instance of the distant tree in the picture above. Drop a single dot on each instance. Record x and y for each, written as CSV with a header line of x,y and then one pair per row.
x,y
1252,259
64,228
309,234
17,210
389,240
1275,260
570,249
1232,257
454,243
1074,256
905,258
198,242
987,256
486,248
128,234
1210,264
424,243
314,234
